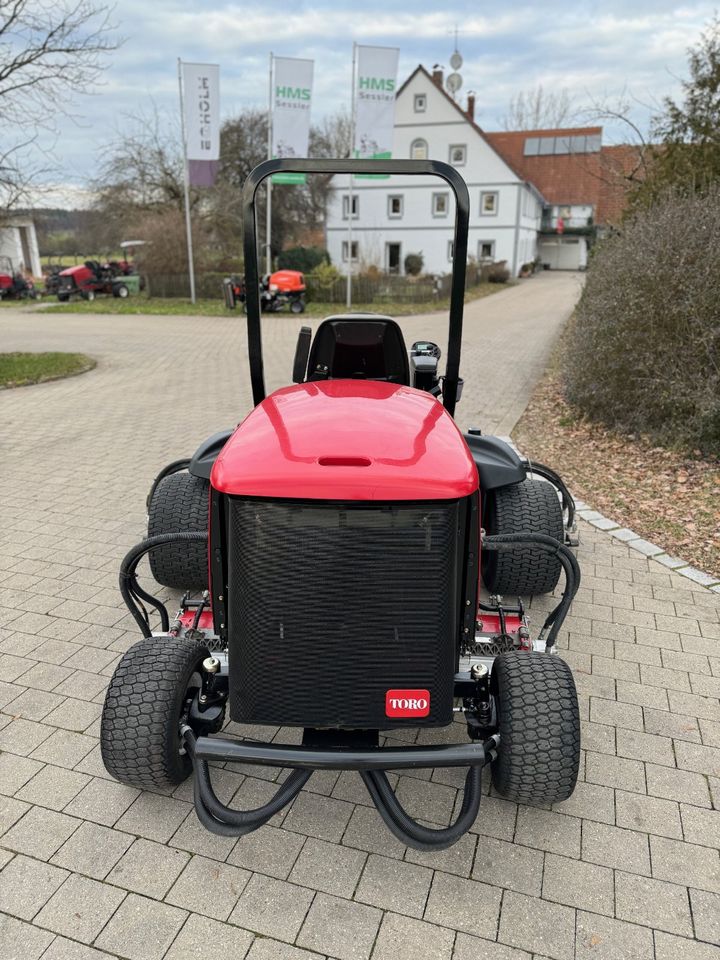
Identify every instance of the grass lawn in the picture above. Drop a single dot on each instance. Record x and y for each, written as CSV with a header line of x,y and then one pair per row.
x,y
22,369
217,308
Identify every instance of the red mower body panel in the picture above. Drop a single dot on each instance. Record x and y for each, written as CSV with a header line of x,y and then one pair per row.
x,y
288,281
347,440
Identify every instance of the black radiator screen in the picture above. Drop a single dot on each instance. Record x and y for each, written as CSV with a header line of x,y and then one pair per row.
x,y
332,605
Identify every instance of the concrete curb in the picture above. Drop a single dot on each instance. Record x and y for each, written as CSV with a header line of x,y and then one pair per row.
x,y
636,542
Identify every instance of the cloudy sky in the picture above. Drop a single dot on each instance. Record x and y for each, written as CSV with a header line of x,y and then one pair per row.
x,y
594,49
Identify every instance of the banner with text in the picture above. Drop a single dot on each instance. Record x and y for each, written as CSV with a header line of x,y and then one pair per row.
x,y
291,102
201,100
375,89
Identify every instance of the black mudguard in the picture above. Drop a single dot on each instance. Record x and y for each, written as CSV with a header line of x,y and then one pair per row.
x,y
497,463
201,462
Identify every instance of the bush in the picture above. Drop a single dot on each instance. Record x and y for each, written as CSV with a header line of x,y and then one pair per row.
x,y
643,352
414,263
498,272
305,259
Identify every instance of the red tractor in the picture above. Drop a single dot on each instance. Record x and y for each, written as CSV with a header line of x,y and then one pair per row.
x,y
91,278
284,288
13,284
347,547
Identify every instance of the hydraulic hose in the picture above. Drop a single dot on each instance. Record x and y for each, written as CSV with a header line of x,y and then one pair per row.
x,y
568,502
409,831
218,818
175,467
571,568
130,589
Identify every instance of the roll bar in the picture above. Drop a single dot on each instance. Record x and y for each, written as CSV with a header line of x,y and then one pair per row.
x,y
405,167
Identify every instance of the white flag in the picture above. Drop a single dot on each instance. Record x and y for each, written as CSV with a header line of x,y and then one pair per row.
x,y
201,101
291,103
375,89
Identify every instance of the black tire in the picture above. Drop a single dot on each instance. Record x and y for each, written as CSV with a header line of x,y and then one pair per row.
x,y
539,726
179,505
121,290
88,295
528,507
297,306
63,297
144,704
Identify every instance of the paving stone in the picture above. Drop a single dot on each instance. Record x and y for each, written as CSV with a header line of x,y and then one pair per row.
x,y
600,938
508,865
545,830
678,948
613,847
578,884
616,772
537,926
21,941
366,831
432,802
341,928
268,850
330,868
706,915
455,902
10,812
272,908
457,859
685,863
701,826
53,787
26,885
63,949
195,838
318,816
673,725
648,814
653,903
33,704
393,885
675,784
589,801
694,705
670,680
40,833
692,756
208,887
148,868
64,749
616,714
141,929
92,850
473,948
80,908
264,948
15,771
23,736
645,746
402,938
598,737
203,937
102,801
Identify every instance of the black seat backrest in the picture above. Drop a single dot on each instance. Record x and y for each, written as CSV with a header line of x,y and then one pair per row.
x,y
359,347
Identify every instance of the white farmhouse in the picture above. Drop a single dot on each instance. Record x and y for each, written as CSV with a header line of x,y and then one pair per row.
x,y
394,217
18,243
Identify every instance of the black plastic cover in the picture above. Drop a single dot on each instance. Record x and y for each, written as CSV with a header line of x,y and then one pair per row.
x,y
497,463
207,453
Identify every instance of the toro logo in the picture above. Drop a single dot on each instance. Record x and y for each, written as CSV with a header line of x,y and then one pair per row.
x,y
407,703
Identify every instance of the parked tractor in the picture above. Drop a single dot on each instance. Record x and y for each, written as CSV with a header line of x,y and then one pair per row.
x,y
351,565
14,285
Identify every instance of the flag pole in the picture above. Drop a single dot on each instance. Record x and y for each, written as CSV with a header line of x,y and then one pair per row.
x,y
348,279
186,172
268,214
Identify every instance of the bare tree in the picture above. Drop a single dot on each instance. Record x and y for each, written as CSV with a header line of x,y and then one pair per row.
x,y
50,51
537,109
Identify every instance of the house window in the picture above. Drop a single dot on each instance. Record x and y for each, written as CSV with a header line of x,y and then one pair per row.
x,y
440,203
532,146
488,204
355,206
354,250
395,207
486,250
419,150
420,103
451,250
457,154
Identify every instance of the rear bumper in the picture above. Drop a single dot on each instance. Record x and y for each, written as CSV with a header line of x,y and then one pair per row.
x,y
343,758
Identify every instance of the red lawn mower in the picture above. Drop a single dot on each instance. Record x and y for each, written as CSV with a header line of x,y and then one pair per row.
x,y
343,554
13,285
284,288
92,277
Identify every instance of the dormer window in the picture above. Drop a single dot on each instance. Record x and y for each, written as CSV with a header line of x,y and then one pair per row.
x,y
420,103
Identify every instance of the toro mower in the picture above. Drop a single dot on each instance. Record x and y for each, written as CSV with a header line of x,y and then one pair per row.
x,y
346,554
284,288
13,285
91,278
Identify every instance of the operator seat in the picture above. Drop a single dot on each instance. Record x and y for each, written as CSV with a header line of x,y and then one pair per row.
x,y
359,347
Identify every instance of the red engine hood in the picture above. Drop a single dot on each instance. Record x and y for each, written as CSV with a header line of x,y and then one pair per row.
x,y
347,440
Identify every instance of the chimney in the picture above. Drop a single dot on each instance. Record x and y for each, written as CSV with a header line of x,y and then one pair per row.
x,y
437,75
470,109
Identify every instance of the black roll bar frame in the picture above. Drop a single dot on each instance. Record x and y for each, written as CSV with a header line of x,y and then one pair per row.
x,y
403,167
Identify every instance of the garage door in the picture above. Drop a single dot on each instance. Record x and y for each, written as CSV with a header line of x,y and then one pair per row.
x,y
566,253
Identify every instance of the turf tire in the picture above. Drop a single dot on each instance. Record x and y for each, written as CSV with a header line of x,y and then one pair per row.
x,y
528,507
139,730
179,505
539,726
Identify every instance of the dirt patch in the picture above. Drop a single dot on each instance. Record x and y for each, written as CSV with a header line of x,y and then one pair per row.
x,y
667,497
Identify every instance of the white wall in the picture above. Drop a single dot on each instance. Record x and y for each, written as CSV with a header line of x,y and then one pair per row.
x,y
11,246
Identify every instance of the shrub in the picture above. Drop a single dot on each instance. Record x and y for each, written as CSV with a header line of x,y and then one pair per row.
x,y
643,352
414,262
498,272
305,259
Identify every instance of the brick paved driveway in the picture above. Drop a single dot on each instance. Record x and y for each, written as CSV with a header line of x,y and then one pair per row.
x,y
627,868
